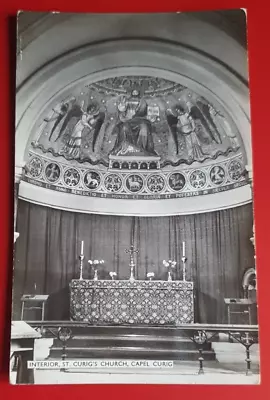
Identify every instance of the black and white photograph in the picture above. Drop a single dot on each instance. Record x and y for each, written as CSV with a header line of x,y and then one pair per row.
x,y
134,248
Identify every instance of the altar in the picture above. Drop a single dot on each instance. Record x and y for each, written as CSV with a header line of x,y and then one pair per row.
x,y
138,302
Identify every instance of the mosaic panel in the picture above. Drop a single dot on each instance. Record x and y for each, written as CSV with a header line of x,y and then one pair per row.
x,y
127,184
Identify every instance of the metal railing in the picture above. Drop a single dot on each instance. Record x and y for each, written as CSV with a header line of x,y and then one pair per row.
x,y
200,334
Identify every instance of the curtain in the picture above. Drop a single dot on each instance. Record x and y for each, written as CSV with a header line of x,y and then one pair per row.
x,y
217,247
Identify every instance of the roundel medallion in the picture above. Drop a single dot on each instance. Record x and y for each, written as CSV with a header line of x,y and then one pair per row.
x,y
155,183
71,177
197,179
113,183
35,167
177,181
235,170
52,172
92,180
217,175
134,183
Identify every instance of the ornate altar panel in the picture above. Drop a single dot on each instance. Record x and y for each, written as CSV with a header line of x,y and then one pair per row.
x,y
140,302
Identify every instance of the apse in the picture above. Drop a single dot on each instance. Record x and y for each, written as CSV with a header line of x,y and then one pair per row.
x,y
135,138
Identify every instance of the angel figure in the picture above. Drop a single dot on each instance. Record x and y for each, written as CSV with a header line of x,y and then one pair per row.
x,y
202,111
92,119
181,122
224,127
60,114
54,121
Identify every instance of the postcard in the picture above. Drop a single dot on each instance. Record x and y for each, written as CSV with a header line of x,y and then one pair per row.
x,y
134,251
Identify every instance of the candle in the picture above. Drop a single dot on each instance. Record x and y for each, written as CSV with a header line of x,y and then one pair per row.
x,y
82,247
184,249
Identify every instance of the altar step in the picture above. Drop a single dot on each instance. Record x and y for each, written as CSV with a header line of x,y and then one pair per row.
x,y
149,330
131,343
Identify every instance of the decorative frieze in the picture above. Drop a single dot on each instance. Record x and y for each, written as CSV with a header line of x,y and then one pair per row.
x,y
136,184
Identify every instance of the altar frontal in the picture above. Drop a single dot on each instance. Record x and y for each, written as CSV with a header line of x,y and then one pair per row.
x,y
150,302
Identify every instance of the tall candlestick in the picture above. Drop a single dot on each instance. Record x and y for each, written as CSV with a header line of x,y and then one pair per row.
x,y
82,247
81,258
184,249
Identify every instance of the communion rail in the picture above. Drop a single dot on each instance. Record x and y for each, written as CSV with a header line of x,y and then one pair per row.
x,y
199,334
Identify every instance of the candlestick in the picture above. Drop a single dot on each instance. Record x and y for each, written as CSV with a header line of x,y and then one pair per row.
x,y
184,249
132,277
82,243
95,275
184,260
81,257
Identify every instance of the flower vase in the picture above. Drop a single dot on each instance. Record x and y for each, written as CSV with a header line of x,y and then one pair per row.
x,y
96,275
169,276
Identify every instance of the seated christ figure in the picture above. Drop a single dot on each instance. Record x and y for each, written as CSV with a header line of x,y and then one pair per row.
x,y
133,129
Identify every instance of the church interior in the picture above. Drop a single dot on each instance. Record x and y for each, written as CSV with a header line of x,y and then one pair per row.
x,y
133,227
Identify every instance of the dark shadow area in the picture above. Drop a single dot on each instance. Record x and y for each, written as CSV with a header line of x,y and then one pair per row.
x,y
57,306
205,309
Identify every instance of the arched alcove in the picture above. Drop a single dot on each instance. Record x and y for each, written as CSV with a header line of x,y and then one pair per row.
x,y
196,74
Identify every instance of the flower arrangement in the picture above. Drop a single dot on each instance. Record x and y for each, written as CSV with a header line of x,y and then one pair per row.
x,y
95,262
169,263
150,275
112,275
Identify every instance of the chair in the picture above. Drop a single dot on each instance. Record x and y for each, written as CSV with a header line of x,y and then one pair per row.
x,y
34,302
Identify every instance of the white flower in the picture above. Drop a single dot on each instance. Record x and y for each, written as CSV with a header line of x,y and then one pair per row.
x,y
112,274
90,262
95,262
150,274
164,262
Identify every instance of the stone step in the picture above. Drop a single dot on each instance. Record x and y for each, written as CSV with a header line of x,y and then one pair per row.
x,y
131,353
128,330
145,341
125,342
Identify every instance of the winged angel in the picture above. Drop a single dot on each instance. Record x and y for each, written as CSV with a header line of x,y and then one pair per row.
x,y
185,121
91,119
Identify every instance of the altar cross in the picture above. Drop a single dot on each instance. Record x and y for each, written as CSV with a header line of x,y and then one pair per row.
x,y
131,252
